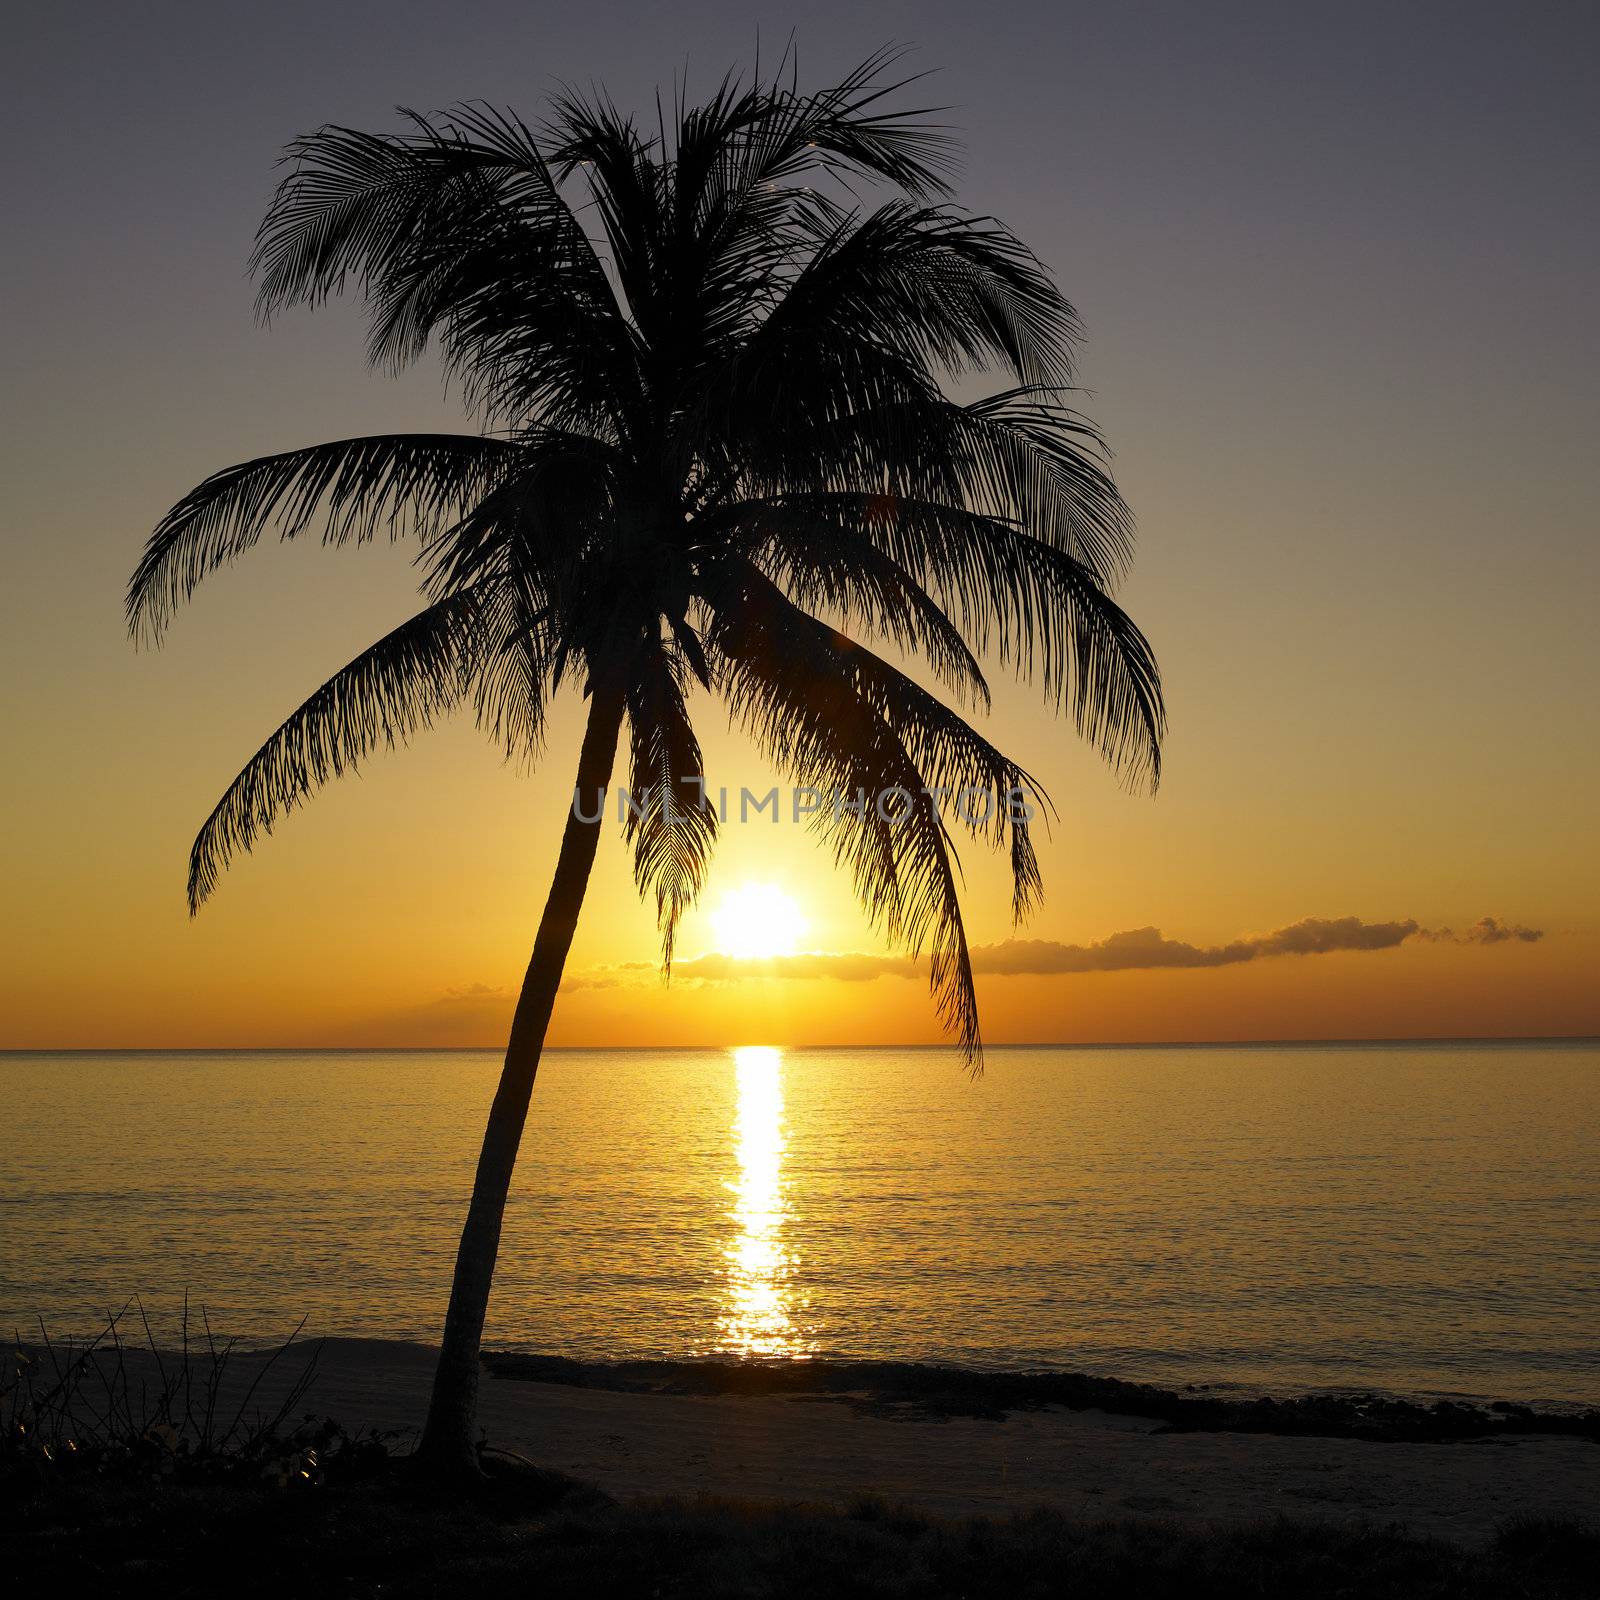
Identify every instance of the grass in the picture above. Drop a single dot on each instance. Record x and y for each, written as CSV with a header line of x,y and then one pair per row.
x,y
386,1537
104,1403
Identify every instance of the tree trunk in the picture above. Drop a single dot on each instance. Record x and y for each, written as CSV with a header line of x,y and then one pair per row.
x,y
448,1440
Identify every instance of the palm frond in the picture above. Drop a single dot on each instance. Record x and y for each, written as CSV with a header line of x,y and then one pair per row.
x,y
811,547
398,484
670,824
588,135
390,691
533,524
829,411
851,132
1054,622
929,285
739,158
354,205
352,202
956,762
1031,460
1039,609
457,229
788,681
513,670
1044,612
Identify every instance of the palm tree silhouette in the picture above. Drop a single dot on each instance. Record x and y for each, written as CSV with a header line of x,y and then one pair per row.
x,y
708,359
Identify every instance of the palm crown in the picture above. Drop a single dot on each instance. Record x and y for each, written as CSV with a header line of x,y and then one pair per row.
x,y
708,358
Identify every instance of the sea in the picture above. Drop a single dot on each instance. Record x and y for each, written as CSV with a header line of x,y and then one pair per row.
x,y
1418,1219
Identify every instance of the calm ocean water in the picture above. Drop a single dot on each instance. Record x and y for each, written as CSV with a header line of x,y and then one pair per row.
x,y
1416,1218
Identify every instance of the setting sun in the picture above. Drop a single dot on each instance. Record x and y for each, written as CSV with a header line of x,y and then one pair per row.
x,y
758,920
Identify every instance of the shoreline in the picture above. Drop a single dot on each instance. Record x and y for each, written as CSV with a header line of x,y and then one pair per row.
x,y
934,1390
984,1445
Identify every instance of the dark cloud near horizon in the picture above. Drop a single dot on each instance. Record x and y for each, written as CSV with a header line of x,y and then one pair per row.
x,y
1486,930
1136,950
1144,949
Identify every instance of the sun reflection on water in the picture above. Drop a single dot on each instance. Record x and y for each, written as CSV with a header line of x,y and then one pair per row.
x,y
756,1319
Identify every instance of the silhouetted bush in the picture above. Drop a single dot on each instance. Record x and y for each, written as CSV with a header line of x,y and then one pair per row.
x,y
98,1407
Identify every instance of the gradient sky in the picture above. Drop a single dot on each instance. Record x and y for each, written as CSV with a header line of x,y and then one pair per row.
x,y
1337,266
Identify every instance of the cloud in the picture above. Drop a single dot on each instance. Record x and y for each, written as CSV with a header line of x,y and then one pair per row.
x,y
1486,930
467,993
849,966
601,978
464,1014
1144,949
1136,950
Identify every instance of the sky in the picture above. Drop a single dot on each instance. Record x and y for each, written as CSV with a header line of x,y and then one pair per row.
x,y
1336,263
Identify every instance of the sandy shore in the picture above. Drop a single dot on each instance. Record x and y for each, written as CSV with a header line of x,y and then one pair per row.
x,y
1090,1463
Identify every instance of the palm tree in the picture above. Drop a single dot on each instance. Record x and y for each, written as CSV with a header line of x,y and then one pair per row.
x,y
708,360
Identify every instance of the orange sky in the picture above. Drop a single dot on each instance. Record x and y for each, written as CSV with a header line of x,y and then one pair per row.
x,y
1366,560
399,907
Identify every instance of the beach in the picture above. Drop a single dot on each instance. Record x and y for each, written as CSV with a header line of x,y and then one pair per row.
x,y
1090,1464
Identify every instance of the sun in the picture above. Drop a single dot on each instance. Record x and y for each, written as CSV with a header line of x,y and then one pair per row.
x,y
758,920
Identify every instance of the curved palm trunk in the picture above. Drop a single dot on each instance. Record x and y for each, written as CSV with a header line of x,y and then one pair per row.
x,y
448,1439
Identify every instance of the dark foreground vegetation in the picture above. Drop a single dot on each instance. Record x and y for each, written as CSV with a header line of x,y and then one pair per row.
x,y
125,1476
390,1537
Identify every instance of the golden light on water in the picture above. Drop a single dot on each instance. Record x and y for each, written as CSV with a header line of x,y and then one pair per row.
x,y
756,1320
